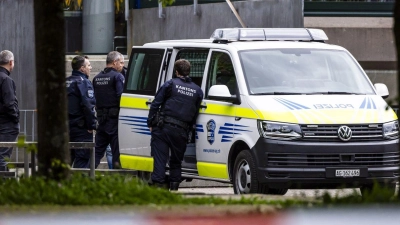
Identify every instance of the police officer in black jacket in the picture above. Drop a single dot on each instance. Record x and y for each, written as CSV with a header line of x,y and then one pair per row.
x,y
9,112
81,113
173,112
108,87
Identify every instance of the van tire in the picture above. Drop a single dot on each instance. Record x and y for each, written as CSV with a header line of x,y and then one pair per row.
x,y
276,191
245,174
144,176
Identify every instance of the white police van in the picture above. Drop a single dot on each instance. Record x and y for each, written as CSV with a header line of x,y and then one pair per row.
x,y
282,109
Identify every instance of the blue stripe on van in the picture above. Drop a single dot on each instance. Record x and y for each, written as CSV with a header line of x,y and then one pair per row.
x,y
285,104
297,105
368,103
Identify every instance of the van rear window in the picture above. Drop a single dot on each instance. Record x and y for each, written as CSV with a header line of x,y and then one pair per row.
x,y
144,70
197,59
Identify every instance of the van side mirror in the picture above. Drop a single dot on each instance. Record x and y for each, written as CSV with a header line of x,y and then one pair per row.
x,y
381,90
221,93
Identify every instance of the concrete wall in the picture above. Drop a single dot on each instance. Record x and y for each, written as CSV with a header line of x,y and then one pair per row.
x,y
388,77
181,23
17,35
369,39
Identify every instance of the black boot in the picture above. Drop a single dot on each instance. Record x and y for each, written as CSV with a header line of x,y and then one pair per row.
x,y
159,185
173,186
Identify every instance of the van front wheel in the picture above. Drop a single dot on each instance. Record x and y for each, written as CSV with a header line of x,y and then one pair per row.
x,y
244,174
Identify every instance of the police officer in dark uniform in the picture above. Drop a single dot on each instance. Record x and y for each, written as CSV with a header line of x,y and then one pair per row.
x,y
81,113
172,114
108,87
9,111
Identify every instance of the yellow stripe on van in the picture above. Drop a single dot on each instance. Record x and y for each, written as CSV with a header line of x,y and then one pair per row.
x,y
229,110
305,116
285,116
219,109
214,170
133,102
329,116
246,113
137,162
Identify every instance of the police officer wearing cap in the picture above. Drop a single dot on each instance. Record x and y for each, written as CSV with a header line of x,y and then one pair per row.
x,y
108,87
173,112
81,113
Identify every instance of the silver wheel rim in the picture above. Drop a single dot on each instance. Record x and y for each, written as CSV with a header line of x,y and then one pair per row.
x,y
243,178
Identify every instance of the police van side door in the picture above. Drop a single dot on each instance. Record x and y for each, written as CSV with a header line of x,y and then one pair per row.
x,y
198,59
147,69
216,122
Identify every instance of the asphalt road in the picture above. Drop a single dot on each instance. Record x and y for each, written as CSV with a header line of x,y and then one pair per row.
x,y
290,193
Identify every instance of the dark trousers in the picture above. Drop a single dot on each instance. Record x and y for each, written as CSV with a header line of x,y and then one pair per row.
x,y
8,133
162,140
107,134
80,158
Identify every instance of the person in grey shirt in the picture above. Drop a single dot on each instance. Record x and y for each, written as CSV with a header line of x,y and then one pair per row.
x,y
9,111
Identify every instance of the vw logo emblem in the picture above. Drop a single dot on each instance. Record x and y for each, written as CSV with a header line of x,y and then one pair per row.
x,y
344,133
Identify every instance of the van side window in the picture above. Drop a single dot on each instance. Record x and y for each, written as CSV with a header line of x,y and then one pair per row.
x,y
197,59
144,71
221,71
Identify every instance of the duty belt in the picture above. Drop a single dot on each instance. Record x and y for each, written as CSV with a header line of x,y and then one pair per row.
x,y
171,120
111,112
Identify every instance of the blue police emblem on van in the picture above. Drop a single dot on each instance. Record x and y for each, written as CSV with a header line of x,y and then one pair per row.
x,y
211,131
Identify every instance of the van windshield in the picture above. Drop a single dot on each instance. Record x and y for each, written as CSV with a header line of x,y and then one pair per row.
x,y
302,71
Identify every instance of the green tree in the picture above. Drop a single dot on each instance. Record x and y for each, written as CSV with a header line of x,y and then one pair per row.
x,y
166,2
53,151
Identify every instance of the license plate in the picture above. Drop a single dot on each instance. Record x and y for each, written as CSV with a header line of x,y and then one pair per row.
x,y
347,173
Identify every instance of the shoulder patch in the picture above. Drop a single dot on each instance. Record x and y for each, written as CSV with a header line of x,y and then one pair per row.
x,y
90,93
68,83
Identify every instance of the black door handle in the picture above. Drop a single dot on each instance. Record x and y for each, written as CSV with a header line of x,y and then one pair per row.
x,y
148,102
203,106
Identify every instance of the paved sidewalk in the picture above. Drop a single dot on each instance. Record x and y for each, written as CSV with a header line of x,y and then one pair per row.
x,y
202,215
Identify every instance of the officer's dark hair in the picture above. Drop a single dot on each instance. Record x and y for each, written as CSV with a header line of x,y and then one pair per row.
x,y
112,56
78,61
182,66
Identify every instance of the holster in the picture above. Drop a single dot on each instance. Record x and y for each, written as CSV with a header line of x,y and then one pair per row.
x,y
102,115
113,112
158,119
191,134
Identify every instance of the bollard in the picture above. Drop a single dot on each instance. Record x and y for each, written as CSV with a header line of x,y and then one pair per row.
x,y
33,165
26,163
92,162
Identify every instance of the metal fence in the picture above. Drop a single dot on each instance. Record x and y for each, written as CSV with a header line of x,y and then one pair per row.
x,y
21,158
30,167
28,128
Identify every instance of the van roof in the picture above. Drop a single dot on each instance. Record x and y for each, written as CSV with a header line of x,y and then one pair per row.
x,y
242,45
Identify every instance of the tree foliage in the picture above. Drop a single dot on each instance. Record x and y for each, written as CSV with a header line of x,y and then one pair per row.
x,y
166,2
